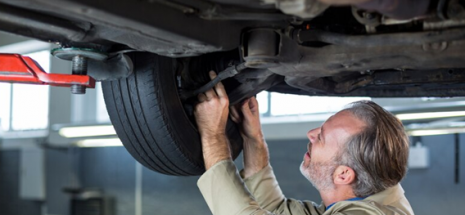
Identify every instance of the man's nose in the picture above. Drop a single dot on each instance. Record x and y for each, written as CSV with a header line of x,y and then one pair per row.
x,y
313,134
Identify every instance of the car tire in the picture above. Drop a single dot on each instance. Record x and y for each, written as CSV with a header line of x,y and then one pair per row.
x,y
151,122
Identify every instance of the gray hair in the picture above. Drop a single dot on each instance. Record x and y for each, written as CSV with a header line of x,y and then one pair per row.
x,y
379,153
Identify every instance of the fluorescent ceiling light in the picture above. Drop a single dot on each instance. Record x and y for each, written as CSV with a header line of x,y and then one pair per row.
x,y
430,115
435,131
25,47
87,131
99,142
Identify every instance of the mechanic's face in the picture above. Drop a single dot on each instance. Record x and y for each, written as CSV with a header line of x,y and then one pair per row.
x,y
319,161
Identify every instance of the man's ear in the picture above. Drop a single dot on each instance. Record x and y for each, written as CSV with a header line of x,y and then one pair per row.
x,y
344,175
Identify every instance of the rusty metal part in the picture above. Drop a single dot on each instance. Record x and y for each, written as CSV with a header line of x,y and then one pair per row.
x,y
401,9
390,21
451,13
331,60
390,83
323,85
15,68
217,12
392,39
366,18
305,9
451,23
438,76
261,48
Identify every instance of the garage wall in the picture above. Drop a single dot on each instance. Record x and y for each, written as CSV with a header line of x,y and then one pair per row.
x,y
113,169
179,195
433,190
10,203
430,191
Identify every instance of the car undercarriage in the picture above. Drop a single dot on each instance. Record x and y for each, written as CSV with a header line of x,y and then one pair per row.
x,y
377,48
342,51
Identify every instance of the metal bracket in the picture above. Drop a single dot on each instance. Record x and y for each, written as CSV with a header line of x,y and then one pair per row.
x,y
15,68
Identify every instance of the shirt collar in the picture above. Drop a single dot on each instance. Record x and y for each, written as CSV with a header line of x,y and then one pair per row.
x,y
352,199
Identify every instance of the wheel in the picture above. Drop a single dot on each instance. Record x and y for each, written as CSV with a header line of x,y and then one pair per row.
x,y
150,119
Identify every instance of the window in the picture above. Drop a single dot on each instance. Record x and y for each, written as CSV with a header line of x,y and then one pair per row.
x,y
102,113
5,98
270,104
263,102
278,104
24,106
285,104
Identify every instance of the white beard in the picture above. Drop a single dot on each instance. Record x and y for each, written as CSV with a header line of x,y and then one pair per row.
x,y
320,174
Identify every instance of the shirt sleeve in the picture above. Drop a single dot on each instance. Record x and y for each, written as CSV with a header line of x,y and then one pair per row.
x,y
226,194
265,188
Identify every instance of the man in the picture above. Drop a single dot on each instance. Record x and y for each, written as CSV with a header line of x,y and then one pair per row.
x,y
355,160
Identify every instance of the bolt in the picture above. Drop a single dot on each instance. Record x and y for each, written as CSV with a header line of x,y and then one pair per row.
x,y
79,68
78,89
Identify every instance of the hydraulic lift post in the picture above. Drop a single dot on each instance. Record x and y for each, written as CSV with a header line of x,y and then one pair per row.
x,y
15,68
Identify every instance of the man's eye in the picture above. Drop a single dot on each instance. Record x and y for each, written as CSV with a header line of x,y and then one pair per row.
x,y
319,137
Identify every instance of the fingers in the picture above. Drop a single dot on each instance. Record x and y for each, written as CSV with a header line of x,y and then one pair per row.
x,y
219,88
210,94
217,91
201,97
235,116
248,108
253,104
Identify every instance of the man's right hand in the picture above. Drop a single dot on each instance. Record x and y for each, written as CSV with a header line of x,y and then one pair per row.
x,y
247,116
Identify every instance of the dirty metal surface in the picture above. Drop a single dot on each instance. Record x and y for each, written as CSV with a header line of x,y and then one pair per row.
x,y
389,83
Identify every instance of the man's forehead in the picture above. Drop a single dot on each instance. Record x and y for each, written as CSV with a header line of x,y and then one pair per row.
x,y
341,125
344,118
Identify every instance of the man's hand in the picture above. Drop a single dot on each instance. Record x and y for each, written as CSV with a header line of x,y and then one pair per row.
x,y
211,115
248,116
255,149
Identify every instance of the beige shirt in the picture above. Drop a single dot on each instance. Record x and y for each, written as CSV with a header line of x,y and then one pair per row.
x,y
226,193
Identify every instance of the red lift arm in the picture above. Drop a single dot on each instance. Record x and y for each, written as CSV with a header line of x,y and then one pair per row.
x,y
15,68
